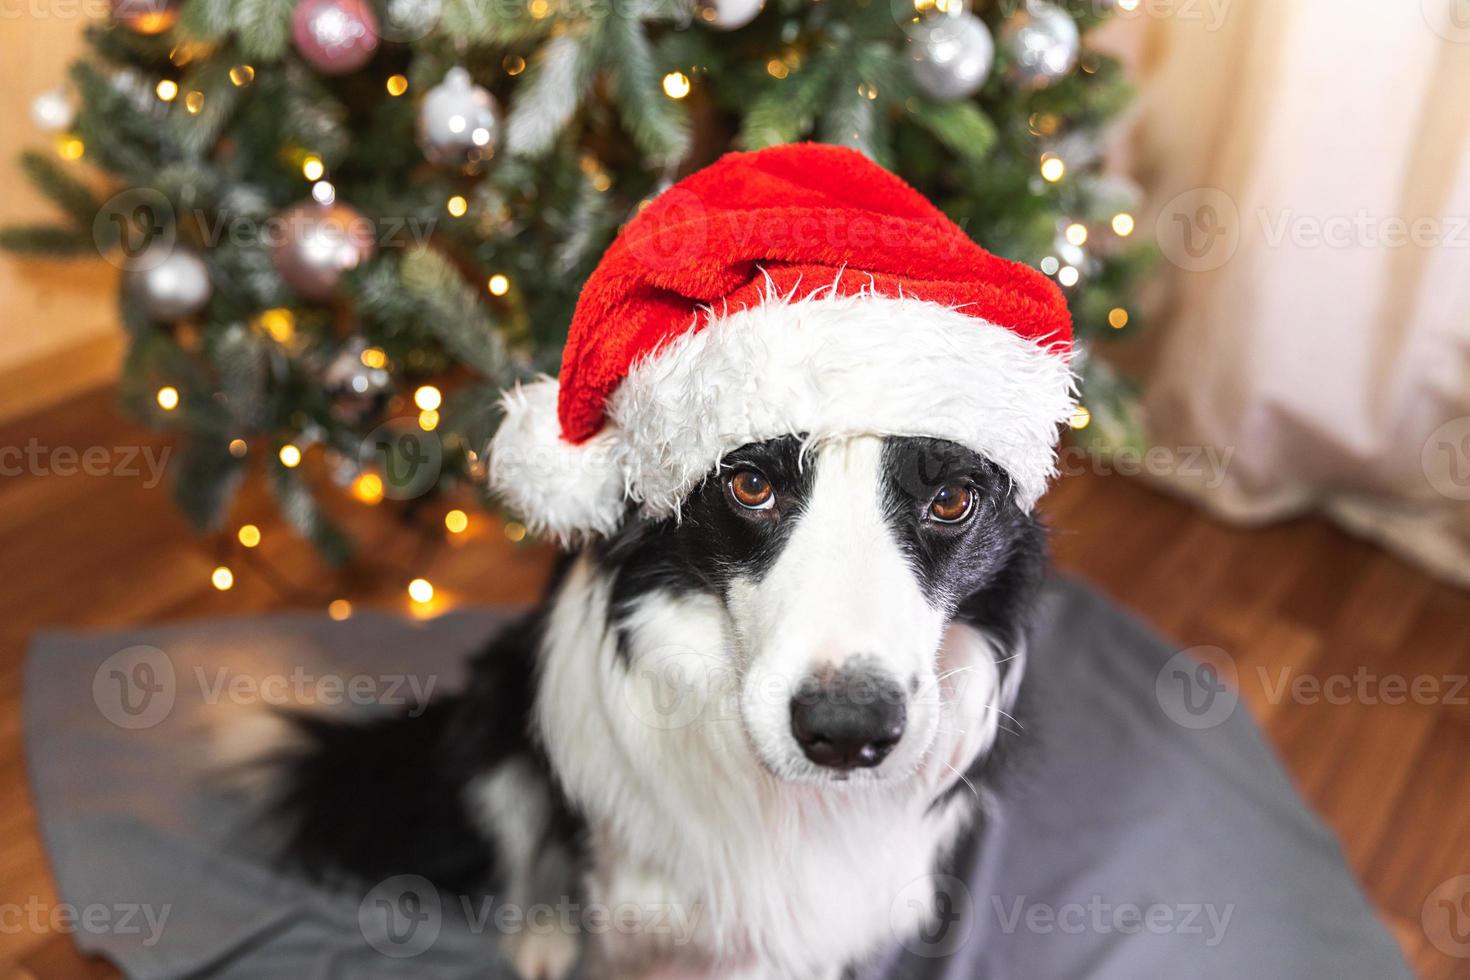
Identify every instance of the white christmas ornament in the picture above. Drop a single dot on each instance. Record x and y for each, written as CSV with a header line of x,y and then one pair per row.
x,y
172,286
952,56
1043,42
458,124
729,15
53,111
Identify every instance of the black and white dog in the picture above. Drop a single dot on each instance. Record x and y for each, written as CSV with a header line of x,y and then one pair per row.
x,y
801,426
769,713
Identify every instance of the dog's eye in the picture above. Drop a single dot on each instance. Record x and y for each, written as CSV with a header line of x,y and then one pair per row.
x,y
751,490
952,504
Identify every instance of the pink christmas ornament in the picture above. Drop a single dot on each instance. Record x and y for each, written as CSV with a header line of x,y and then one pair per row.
x,y
335,36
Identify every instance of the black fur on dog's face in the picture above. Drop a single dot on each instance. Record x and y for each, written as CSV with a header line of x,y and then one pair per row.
x,y
843,565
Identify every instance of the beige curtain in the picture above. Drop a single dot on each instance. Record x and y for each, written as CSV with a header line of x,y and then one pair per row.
x,y
1308,164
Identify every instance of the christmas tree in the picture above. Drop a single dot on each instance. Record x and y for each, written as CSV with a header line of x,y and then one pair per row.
x,y
347,225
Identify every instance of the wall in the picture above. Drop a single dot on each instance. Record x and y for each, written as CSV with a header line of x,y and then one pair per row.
x,y
58,329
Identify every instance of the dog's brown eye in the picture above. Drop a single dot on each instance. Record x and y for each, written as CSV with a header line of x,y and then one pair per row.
x,y
752,490
952,504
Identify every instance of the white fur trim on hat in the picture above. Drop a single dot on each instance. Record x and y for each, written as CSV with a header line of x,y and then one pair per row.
x,y
824,366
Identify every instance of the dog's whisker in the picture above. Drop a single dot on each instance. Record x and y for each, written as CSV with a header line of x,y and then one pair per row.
x,y
964,779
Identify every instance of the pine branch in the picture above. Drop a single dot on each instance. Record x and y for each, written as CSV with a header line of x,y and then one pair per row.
x,y
659,126
588,231
197,133
479,22
264,27
207,20
452,311
239,359
787,110
851,120
64,190
550,95
960,127
119,136
300,509
46,241
206,481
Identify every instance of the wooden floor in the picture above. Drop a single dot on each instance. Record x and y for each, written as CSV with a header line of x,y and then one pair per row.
x,y
1392,780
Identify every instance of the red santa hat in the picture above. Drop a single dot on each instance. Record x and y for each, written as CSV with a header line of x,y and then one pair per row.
x,y
795,290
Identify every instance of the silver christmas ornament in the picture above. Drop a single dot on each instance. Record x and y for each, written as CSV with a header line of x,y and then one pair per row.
x,y
729,15
1043,42
458,124
356,390
952,56
169,284
316,244
53,111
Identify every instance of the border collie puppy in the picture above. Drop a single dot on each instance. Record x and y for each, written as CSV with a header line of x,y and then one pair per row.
x,y
790,623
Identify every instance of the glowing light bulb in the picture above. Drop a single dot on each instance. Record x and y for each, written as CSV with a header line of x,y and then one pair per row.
x,y
420,590
457,206
312,167
428,398
368,488
1077,234
222,578
167,90
499,285
457,521
168,398
397,85
339,609
1117,318
676,85
1081,418
1123,224
249,535
1053,168
290,456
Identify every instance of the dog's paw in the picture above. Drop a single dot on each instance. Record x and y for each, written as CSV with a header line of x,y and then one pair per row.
x,y
541,955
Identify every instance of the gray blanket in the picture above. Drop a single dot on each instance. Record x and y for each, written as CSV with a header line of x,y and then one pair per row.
x,y
1142,837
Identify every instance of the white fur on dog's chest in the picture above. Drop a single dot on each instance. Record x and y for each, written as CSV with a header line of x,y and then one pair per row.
x,y
732,870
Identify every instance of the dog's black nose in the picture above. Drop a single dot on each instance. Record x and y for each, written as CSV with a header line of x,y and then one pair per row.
x,y
849,718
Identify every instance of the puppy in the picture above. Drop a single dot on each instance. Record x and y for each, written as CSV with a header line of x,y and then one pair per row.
x,y
794,469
